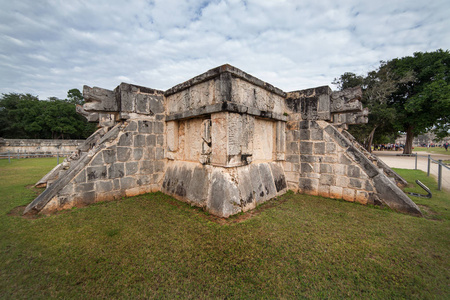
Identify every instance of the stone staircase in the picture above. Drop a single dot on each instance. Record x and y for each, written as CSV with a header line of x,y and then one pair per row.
x,y
391,174
63,168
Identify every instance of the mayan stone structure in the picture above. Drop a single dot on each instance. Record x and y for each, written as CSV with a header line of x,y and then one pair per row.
x,y
225,141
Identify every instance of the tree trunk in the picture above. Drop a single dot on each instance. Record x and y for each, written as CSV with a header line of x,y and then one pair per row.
x,y
409,140
370,140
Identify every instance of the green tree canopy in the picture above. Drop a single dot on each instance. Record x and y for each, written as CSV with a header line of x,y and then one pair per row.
x,y
25,116
410,94
422,103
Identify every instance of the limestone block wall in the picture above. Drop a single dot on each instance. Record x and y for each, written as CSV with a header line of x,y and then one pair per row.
x,y
130,163
39,146
319,166
320,160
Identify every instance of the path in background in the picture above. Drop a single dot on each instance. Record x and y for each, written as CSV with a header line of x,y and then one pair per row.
x,y
408,162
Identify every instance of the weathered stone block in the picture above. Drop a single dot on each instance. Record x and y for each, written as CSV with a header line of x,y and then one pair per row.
x,y
151,140
319,148
304,134
309,185
225,199
337,136
316,134
326,168
158,127
103,186
327,179
159,153
348,194
159,166
116,170
339,169
268,181
96,173
156,178
355,183
246,192
368,186
146,167
132,126
67,190
342,181
139,140
306,147
293,148
324,191
307,168
160,140
353,171
109,156
81,177
278,177
330,148
127,183
367,166
137,153
142,106
393,196
257,184
97,160
293,158
336,192
144,180
116,184
362,197
198,188
123,153
85,198
343,159
145,126
126,139
329,159
131,168
156,104
308,158
304,124
84,187
149,153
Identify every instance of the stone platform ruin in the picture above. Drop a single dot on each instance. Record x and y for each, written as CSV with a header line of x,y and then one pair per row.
x,y
225,141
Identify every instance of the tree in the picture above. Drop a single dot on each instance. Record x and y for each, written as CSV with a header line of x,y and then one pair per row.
x,y
74,96
18,115
349,80
377,86
410,94
422,103
25,116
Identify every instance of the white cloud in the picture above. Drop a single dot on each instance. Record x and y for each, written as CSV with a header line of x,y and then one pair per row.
x,y
49,47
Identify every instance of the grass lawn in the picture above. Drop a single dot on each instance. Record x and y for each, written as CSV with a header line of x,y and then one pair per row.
x,y
152,246
433,150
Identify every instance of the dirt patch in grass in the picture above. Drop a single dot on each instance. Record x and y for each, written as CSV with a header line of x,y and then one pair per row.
x,y
17,211
429,213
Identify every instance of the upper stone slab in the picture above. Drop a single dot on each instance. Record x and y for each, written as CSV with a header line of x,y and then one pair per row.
x,y
225,88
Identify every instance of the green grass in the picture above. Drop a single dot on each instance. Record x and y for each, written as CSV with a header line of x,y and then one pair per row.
x,y
433,150
152,246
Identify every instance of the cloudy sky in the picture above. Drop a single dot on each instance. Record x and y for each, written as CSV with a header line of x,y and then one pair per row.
x,y
50,47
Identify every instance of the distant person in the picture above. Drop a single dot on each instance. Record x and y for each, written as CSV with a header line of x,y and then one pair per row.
x,y
446,146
